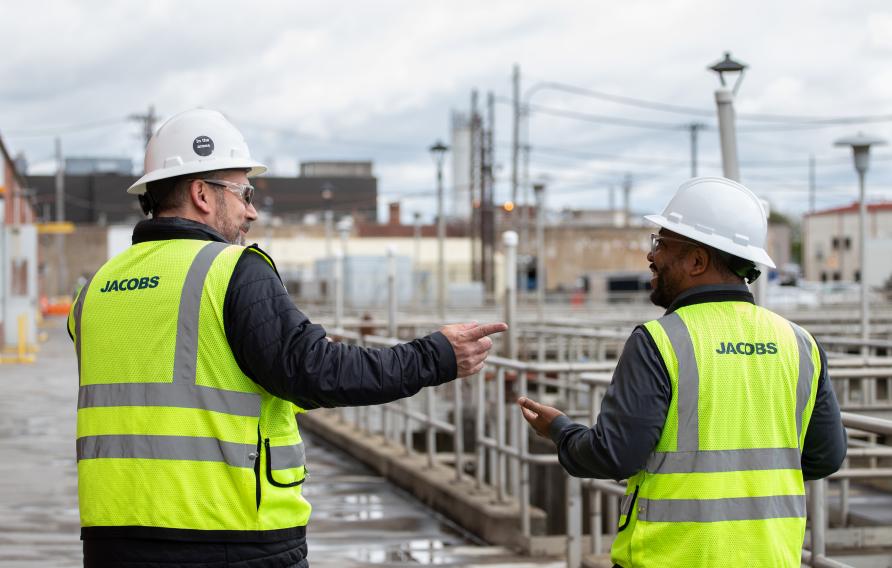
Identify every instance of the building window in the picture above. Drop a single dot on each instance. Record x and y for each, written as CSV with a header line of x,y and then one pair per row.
x,y
837,276
848,243
823,277
857,276
835,245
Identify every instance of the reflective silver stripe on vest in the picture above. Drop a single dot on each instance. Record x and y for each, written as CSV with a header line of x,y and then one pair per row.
x,y
78,313
688,382
166,448
166,394
287,457
186,352
716,510
806,372
710,461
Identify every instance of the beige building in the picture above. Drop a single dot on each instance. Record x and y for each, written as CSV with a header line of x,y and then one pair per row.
x,y
830,243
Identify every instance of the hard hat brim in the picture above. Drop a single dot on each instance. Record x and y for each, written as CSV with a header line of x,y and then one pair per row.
x,y
754,254
255,169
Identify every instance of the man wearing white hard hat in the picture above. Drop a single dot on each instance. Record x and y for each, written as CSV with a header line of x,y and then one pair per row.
x,y
718,411
193,362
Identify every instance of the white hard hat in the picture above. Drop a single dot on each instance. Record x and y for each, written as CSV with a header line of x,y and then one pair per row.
x,y
720,213
194,141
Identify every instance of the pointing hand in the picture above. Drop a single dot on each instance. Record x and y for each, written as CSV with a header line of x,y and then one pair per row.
x,y
471,344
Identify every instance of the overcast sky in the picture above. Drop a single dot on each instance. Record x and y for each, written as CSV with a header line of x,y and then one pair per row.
x,y
378,80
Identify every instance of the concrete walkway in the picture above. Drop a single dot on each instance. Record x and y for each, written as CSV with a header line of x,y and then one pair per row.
x,y
358,519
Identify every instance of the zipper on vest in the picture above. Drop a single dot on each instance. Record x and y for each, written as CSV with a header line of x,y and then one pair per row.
x,y
257,469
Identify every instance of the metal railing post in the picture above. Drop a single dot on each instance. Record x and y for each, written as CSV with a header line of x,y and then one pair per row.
x,y
480,427
818,518
458,441
431,432
574,522
501,456
524,451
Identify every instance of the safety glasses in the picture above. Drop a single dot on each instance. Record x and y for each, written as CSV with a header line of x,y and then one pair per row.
x,y
656,240
243,190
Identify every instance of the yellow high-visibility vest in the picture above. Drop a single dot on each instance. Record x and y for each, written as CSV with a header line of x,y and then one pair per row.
x,y
723,486
171,434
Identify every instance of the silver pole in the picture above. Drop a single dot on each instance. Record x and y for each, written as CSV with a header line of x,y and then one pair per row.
x,y
724,99
60,216
329,231
500,435
480,427
509,239
862,253
431,431
339,289
524,450
539,190
574,522
818,518
515,132
441,246
391,292
458,440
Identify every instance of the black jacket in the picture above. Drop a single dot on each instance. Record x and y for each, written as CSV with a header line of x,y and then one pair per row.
x,y
635,406
280,349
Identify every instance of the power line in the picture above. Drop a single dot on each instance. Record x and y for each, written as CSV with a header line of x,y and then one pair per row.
x,y
693,111
600,119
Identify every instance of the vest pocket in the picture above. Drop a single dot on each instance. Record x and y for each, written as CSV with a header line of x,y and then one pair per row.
x,y
628,506
286,457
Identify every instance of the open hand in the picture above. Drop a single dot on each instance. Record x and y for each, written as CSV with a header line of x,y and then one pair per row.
x,y
471,344
538,415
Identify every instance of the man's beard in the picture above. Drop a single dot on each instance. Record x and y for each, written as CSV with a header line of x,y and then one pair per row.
x,y
231,232
664,291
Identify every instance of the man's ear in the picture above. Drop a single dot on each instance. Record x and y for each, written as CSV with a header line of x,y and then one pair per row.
x,y
698,261
200,195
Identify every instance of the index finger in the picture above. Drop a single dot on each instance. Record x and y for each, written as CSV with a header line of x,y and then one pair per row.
x,y
485,329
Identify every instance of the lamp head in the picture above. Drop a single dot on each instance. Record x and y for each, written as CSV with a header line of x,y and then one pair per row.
x,y
730,67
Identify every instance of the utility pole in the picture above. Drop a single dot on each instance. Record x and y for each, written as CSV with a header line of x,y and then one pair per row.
x,y
811,183
473,180
627,190
515,133
694,127
489,229
148,121
60,216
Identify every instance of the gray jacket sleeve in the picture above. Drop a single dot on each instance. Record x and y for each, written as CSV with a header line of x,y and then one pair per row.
x,y
824,448
631,420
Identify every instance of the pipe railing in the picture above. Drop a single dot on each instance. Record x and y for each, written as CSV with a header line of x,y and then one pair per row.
x,y
502,458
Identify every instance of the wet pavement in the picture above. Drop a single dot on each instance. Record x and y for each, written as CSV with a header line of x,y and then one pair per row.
x,y
358,518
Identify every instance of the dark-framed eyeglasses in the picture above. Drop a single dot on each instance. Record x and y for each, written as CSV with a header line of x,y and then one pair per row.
x,y
656,240
243,190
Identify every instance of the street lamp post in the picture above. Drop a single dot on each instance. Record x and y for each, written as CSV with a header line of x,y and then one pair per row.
x,y
724,99
860,145
438,151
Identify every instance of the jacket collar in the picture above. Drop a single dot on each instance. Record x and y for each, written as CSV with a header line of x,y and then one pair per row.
x,y
712,293
166,228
